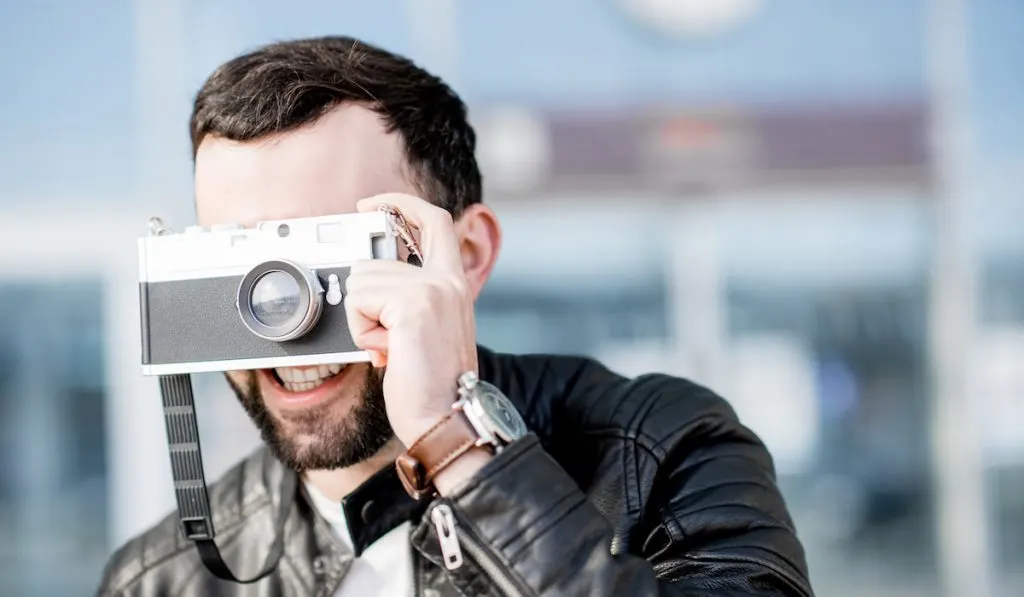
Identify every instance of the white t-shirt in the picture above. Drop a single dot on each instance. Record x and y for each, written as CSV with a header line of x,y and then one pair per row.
x,y
384,569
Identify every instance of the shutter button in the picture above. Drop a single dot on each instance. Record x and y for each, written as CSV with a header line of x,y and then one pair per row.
x,y
334,294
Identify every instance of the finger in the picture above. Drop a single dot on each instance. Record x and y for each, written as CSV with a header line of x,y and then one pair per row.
x,y
362,312
383,275
375,343
375,340
437,230
381,278
385,267
405,288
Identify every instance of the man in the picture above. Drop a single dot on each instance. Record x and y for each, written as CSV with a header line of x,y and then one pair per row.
x,y
636,487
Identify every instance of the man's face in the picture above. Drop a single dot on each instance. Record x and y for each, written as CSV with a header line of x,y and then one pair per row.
x,y
314,417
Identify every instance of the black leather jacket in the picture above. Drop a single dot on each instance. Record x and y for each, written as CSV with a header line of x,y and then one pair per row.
x,y
625,487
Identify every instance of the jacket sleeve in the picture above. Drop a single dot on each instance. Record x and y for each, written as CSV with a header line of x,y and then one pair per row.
x,y
718,524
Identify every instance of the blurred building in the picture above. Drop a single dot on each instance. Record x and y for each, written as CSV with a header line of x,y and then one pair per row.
x,y
742,192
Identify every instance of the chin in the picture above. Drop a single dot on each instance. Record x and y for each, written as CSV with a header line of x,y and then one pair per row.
x,y
317,417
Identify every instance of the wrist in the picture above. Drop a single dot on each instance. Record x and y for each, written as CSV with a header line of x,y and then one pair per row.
x,y
452,449
410,433
461,470
437,404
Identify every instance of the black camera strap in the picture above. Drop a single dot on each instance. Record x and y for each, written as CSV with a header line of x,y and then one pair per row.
x,y
190,482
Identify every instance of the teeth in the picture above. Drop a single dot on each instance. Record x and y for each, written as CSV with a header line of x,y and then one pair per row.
x,y
304,379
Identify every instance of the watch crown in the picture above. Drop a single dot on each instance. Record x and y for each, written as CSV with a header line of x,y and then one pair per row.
x,y
468,379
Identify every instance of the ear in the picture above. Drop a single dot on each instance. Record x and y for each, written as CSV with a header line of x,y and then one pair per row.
x,y
480,242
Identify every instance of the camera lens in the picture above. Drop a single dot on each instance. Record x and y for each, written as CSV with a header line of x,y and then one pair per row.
x,y
275,298
279,300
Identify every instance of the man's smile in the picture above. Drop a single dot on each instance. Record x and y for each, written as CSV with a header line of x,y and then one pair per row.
x,y
302,387
304,379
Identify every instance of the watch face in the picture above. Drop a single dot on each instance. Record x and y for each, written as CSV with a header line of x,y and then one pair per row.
x,y
501,415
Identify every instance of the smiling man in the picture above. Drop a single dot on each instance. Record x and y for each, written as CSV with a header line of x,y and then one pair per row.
x,y
551,475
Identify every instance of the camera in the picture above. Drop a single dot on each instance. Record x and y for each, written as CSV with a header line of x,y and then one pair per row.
x,y
229,297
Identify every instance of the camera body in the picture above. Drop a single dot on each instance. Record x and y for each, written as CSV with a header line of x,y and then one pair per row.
x,y
229,297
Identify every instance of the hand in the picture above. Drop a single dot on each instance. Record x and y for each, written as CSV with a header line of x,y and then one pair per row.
x,y
416,321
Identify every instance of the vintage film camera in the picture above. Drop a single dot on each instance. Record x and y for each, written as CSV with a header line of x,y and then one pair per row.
x,y
230,297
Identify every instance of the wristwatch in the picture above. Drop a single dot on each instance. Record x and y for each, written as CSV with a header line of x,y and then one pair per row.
x,y
482,417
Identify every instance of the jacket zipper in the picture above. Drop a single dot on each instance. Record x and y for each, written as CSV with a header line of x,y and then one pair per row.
x,y
454,538
416,573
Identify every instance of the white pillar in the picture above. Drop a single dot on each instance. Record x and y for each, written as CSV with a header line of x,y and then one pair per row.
x,y
139,472
696,292
162,104
141,489
964,561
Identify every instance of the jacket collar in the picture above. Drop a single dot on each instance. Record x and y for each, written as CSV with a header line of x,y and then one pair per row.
x,y
316,553
377,506
381,503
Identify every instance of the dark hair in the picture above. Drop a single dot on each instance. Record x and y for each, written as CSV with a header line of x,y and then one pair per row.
x,y
287,85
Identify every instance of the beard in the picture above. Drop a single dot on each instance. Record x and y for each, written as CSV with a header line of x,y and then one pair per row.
x,y
324,436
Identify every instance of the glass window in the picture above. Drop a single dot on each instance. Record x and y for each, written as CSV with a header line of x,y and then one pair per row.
x,y
577,277
1000,399
53,492
827,302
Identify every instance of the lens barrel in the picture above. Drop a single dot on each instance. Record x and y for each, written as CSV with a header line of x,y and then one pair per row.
x,y
279,300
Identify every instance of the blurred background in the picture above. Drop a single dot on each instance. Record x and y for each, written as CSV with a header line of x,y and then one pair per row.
x,y
813,207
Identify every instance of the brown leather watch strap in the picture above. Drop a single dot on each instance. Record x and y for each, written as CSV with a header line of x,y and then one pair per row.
x,y
441,445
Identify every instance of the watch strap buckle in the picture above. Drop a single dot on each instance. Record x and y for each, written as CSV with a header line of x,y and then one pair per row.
x,y
442,444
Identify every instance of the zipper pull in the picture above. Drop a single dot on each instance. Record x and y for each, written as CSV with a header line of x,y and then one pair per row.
x,y
444,522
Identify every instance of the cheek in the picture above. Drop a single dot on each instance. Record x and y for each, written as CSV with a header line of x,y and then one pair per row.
x,y
241,379
245,382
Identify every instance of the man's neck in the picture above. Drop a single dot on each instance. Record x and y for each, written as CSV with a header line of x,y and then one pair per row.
x,y
335,484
